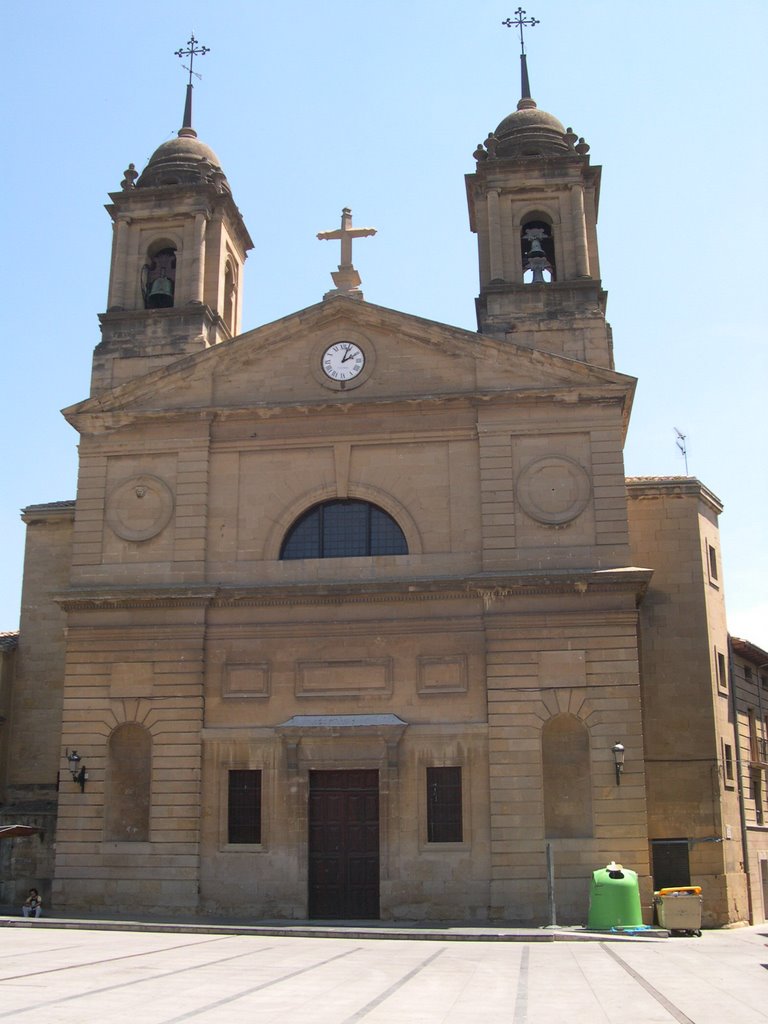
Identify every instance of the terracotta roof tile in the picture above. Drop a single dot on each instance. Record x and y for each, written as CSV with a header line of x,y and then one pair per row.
x,y
9,640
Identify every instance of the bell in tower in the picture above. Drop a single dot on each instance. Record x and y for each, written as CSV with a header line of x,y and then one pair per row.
x,y
538,267
159,280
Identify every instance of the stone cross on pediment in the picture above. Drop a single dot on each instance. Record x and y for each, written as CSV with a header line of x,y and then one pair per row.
x,y
346,278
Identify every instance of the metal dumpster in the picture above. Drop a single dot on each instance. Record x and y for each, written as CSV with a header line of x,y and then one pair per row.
x,y
678,909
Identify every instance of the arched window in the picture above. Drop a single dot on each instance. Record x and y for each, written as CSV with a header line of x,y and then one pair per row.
x,y
567,778
344,529
229,297
158,277
538,249
128,784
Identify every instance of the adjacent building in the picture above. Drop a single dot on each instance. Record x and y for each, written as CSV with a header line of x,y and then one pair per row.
x,y
745,763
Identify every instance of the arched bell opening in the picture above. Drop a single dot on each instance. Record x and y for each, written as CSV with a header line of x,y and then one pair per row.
x,y
537,243
230,297
158,277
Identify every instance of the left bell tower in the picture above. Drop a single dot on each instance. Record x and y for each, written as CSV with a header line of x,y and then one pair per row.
x,y
179,246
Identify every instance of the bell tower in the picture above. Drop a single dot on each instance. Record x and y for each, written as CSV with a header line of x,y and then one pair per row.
x,y
533,203
178,250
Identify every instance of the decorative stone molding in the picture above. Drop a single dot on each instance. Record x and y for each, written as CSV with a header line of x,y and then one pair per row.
x,y
139,508
554,490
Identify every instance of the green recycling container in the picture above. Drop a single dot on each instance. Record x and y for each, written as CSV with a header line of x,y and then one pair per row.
x,y
614,898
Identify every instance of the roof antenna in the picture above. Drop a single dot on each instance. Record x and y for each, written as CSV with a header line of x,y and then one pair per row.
x,y
680,442
191,51
519,22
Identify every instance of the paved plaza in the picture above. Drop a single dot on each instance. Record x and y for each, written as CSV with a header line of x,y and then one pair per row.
x,y
59,975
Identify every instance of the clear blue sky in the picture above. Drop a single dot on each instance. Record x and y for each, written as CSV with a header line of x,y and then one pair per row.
x,y
314,106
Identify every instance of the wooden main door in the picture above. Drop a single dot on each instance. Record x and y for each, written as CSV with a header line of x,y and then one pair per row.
x,y
344,844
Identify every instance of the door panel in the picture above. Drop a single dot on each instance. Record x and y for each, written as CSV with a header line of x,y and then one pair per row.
x,y
344,844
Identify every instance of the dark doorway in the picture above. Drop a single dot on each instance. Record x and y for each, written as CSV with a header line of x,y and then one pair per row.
x,y
344,844
671,865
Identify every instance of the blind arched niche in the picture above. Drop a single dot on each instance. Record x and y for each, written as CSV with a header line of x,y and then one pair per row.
x,y
567,778
127,784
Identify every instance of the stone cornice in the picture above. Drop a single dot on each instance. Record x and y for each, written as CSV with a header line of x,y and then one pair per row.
x,y
182,200
96,420
490,588
32,515
674,487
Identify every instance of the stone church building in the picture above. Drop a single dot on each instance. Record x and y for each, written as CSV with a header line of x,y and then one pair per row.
x,y
347,617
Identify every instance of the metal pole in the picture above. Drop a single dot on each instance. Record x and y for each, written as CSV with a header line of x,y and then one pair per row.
x,y
551,886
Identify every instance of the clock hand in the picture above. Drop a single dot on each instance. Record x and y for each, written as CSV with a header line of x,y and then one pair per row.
x,y
348,355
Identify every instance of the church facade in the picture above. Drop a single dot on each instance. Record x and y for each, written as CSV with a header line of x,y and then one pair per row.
x,y
343,622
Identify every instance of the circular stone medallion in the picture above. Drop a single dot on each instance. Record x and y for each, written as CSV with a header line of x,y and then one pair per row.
x,y
139,508
553,490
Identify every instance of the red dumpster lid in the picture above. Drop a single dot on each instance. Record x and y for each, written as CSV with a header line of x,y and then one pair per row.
x,y
13,831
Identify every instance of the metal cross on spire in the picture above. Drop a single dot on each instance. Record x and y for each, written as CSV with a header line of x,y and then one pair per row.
x,y
519,22
525,85
192,51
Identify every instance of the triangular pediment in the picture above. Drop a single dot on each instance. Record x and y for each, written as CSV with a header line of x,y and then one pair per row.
x,y
406,358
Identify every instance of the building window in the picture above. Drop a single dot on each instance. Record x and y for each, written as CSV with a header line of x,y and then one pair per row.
x,y
728,762
722,671
764,682
753,744
444,805
712,563
244,806
747,674
344,529
757,795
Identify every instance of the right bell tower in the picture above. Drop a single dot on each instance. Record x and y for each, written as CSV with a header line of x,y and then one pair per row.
x,y
533,202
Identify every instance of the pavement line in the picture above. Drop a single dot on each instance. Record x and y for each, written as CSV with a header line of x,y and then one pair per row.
x,y
365,1010
128,984
109,960
520,1014
258,988
668,1006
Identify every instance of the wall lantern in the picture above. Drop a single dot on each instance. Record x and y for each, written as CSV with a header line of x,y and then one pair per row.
x,y
618,760
77,769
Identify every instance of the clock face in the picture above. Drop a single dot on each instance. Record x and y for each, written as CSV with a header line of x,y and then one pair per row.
x,y
343,361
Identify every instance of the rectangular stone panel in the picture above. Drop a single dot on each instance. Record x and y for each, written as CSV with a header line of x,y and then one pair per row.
x,y
562,668
442,675
246,680
131,679
372,675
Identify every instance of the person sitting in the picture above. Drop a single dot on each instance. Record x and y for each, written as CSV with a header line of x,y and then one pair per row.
x,y
33,905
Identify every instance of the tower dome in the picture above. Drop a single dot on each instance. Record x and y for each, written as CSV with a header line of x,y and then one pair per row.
x,y
529,131
182,161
